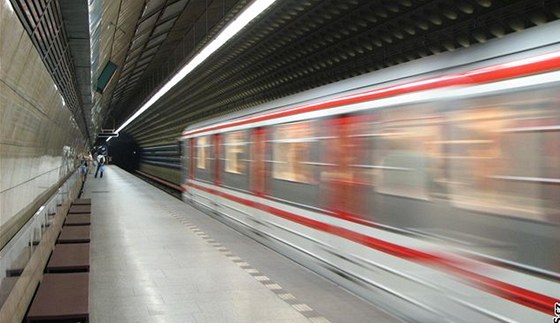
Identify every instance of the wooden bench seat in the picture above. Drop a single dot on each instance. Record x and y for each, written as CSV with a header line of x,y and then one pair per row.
x,y
74,234
82,202
61,297
69,257
77,219
80,209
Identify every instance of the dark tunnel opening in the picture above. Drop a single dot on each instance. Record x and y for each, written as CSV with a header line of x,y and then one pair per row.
x,y
124,152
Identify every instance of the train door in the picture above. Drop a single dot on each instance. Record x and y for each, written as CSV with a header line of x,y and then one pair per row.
x,y
188,167
344,180
258,167
190,158
217,159
184,154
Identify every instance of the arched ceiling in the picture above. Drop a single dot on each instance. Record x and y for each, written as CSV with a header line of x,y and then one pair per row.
x,y
299,45
293,46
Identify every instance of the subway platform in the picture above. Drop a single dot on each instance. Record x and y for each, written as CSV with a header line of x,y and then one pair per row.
x,y
157,259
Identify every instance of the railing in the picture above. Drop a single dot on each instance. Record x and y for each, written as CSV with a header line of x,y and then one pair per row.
x,y
32,245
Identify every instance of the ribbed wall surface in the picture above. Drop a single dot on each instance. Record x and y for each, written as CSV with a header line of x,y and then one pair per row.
x,y
39,138
44,23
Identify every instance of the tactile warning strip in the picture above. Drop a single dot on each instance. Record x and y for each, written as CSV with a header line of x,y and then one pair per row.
x,y
287,297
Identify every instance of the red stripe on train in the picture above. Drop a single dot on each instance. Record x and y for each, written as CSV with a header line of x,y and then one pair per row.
x,y
507,291
524,67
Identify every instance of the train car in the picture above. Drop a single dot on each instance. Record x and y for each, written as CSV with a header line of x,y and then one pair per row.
x,y
430,188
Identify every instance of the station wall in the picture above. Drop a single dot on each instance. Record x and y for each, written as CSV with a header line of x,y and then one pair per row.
x,y
39,138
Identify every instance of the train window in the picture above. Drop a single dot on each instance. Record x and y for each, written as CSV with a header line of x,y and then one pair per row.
x,y
291,152
475,155
202,152
408,161
499,159
235,146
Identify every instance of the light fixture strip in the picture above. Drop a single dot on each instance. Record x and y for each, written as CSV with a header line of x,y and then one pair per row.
x,y
231,30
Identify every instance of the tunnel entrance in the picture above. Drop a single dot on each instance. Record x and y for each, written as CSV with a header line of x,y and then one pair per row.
x,y
124,152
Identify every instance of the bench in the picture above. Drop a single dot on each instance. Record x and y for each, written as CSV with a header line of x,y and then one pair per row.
x,y
61,297
82,202
77,219
69,257
80,209
74,234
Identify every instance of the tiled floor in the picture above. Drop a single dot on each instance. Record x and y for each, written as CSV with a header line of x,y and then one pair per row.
x,y
156,259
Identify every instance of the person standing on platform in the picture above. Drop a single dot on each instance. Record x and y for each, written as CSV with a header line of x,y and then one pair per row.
x,y
83,168
100,165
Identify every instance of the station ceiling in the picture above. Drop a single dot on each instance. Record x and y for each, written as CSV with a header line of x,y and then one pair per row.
x,y
294,46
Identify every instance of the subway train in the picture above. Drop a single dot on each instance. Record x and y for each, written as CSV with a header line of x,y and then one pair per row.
x,y
431,188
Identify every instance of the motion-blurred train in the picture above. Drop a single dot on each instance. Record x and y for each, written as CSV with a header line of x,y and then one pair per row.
x,y
431,188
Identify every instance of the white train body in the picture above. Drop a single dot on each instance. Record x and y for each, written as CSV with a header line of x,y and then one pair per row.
x,y
431,188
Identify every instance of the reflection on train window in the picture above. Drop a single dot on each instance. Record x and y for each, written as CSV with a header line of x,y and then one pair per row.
x,y
291,152
409,160
235,146
498,157
202,152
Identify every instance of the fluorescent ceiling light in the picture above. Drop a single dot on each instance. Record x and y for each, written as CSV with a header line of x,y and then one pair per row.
x,y
231,30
